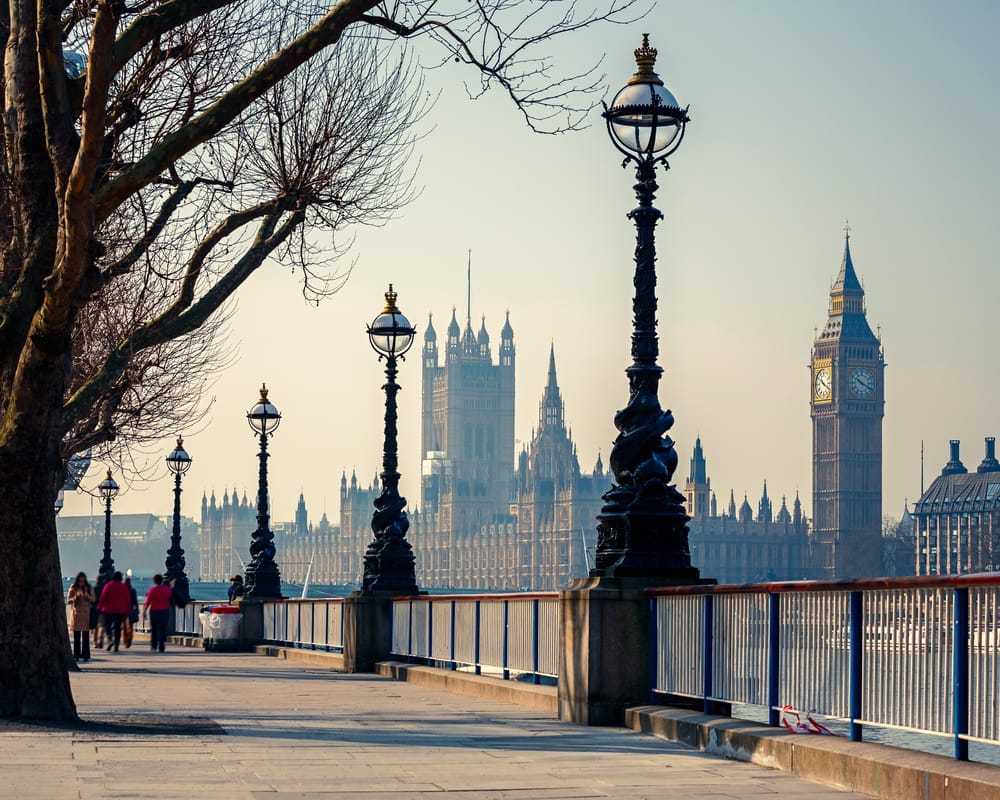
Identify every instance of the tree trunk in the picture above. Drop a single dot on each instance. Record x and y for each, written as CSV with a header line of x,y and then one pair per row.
x,y
34,640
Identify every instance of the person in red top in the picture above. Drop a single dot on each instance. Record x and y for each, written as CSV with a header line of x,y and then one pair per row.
x,y
114,602
158,610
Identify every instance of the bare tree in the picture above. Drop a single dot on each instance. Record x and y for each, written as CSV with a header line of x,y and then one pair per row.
x,y
143,182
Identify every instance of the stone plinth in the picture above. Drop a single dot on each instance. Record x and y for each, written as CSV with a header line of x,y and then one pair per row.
x,y
367,630
604,661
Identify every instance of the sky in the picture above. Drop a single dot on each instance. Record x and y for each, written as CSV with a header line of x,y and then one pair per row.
x,y
804,115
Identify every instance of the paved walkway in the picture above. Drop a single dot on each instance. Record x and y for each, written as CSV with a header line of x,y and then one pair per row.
x,y
188,724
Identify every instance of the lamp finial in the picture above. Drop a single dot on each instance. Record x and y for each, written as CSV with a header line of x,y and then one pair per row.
x,y
263,393
390,302
645,59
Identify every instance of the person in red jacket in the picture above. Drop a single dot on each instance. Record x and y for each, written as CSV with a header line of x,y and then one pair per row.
x,y
114,602
158,611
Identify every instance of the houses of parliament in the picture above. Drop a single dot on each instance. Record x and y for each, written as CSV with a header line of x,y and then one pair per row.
x,y
490,518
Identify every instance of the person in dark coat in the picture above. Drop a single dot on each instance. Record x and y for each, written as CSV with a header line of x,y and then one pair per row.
x,y
115,603
158,601
128,624
235,589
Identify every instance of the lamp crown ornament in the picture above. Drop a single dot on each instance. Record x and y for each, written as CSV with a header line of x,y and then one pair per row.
x,y
263,393
645,59
390,302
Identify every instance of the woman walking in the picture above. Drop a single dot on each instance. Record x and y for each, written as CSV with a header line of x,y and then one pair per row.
x,y
80,598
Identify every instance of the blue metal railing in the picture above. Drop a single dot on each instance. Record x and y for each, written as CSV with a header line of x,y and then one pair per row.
x,y
508,635
914,654
305,624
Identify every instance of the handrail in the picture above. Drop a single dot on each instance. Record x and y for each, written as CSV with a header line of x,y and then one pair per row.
x,y
489,596
866,584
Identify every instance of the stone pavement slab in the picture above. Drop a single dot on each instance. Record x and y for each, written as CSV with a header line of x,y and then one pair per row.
x,y
189,724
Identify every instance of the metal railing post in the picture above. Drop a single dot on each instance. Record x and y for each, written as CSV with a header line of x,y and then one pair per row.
x,y
856,664
475,635
506,638
409,633
960,652
535,678
706,689
654,643
430,633
774,660
454,663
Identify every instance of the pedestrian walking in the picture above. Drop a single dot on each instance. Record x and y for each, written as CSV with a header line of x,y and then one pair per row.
x,y
81,600
128,624
158,612
114,604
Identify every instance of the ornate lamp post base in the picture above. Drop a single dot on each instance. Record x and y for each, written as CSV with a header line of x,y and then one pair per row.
x,y
648,542
263,581
390,568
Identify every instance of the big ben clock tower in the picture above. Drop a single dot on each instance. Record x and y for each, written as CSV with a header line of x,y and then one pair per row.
x,y
847,405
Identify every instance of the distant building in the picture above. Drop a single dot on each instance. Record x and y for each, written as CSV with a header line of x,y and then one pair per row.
x,y
224,544
847,404
736,546
957,520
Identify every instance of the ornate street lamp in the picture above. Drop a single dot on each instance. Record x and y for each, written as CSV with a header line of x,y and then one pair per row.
x,y
178,462
642,527
109,491
389,561
263,581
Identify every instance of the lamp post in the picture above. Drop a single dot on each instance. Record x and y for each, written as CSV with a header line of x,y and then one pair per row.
x,y
263,580
642,526
109,491
389,561
178,462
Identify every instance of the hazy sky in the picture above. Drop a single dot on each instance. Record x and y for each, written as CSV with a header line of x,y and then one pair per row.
x,y
804,114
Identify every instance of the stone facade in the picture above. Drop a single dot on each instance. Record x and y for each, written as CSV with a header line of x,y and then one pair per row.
x,y
224,543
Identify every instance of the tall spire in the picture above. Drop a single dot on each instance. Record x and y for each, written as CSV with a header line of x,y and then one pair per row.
x,y
550,410
698,472
847,278
468,287
507,343
846,318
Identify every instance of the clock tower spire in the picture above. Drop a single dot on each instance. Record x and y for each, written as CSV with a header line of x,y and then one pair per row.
x,y
847,405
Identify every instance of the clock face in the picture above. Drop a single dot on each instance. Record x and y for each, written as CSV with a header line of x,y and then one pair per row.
x,y
824,384
862,382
